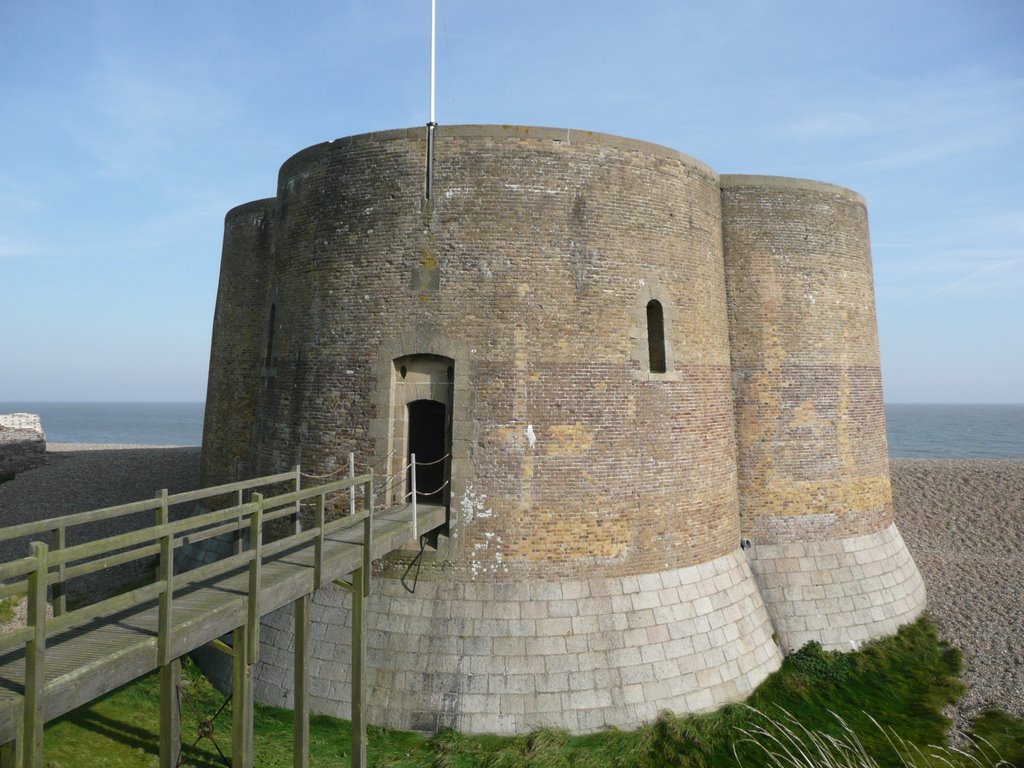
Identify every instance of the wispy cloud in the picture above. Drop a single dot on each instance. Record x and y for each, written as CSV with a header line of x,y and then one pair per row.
x,y
11,248
954,274
900,123
133,119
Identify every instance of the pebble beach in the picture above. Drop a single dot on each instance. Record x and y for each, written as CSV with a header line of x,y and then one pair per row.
x,y
962,519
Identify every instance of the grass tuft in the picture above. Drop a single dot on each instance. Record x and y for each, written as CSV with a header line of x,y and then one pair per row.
x,y
904,681
7,606
783,741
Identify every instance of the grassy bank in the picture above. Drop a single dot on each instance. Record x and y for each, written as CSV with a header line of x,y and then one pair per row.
x,y
903,682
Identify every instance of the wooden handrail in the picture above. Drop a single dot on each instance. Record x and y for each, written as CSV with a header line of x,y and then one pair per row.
x,y
54,567
174,613
136,507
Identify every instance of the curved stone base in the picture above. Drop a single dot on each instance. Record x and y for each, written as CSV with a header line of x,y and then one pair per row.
x,y
839,593
508,658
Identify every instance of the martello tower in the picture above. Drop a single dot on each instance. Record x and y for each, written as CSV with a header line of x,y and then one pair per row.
x,y
632,364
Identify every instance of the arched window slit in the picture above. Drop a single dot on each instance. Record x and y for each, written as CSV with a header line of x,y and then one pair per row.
x,y
269,360
656,336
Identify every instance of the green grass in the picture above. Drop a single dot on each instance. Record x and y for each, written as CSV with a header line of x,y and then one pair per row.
x,y
7,606
902,681
1004,732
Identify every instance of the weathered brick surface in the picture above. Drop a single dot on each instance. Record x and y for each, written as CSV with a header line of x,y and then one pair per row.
x,y
590,572
240,325
810,423
531,273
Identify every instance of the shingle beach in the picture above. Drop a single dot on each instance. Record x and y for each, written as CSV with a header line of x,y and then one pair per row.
x,y
962,519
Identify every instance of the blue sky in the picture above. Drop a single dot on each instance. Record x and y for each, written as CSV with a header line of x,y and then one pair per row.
x,y
129,128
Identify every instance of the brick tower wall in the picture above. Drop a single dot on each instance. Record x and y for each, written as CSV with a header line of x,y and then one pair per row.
x,y
238,345
592,557
813,465
532,272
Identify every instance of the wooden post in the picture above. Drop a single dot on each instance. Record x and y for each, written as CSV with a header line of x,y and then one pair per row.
x,y
170,714
300,748
358,669
35,660
58,542
165,574
10,754
252,648
237,538
318,546
241,703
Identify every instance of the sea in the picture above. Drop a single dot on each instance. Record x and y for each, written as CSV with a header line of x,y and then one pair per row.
x,y
914,431
117,423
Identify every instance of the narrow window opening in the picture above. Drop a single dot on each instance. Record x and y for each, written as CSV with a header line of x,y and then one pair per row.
x,y
269,360
656,336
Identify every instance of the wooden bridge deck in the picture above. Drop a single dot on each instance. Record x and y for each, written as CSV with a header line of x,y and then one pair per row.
x,y
97,655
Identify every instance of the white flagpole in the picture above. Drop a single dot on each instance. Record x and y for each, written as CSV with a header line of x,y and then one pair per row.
x,y
433,54
431,123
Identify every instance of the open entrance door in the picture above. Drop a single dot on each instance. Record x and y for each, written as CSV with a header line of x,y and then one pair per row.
x,y
428,440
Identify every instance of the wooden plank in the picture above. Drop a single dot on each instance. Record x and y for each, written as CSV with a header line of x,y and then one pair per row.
x,y
85,662
101,564
165,574
60,602
11,755
300,743
19,567
35,661
252,621
95,515
221,490
170,714
241,703
359,689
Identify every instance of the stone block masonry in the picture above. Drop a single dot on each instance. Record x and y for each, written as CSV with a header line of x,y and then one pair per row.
x,y
509,657
22,443
839,593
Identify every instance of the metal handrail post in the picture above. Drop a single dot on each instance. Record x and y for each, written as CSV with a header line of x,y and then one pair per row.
x,y
296,520
352,489
412,462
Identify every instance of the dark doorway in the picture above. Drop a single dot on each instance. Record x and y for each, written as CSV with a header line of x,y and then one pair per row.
x,y
428,429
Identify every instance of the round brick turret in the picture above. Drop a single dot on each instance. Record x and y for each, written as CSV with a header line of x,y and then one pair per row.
x,y
810,421
530,273
236,351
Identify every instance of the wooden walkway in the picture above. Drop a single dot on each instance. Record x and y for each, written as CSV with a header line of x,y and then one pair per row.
x,y
58,663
